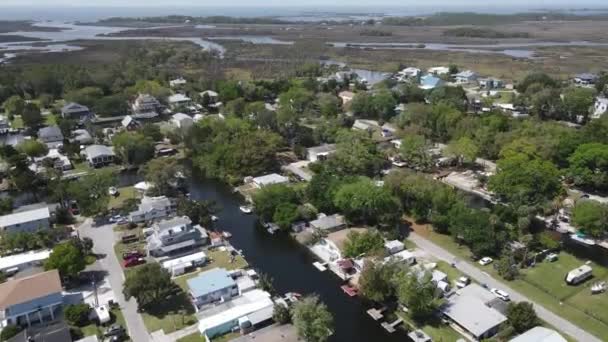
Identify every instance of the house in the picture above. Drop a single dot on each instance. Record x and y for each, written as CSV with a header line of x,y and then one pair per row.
x,y
75,111
388,130
57,332
402,256
178,82
129,123
346,96
145,103
465,77
329,223
180,265
394,246
366,125
179,100
585,79
409,72
26,221
212,95
300,169
317,153
244,313
468,309
182,121
23,260
5,125
51,136
99,155
212,286
270,179
490,83
30,300
174,235
600,107
60,162
539,334
81,136
153,208
430,82
440,70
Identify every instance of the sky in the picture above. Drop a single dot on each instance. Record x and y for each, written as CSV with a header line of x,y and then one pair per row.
x,y
306,3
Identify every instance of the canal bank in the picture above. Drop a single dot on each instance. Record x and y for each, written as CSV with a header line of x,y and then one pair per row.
x,y
290,266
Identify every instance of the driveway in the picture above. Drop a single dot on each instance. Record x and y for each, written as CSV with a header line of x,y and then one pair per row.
x,y
483,277
104,239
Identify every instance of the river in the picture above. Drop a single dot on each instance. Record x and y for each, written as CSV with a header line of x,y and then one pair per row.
x,y
290,265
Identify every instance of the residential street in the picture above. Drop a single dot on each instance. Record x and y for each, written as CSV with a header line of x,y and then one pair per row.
x,y
482,277
104,239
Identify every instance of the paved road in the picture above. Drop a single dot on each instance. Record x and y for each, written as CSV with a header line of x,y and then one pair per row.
x,y
104,240
482,277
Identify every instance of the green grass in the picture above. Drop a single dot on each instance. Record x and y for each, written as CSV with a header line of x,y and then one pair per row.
x,y
93,329
452,273
196,337
175,314
50,120
545,285
125,194
438,331
226,338
17,122
217,258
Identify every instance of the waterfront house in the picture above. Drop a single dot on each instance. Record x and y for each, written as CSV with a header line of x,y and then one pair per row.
x,y
129,123
408,73
329,223
403,256
153,208
211,95
465,77
23,261
99,155
320,152
51,136
179,100
26,221
468,308
270,179
60,161
600,107
174,235
182,264
182,121
145,103
178,82
81,136
539,334
440,70
212,286
430,82
394,246
490,83
75,111
31,300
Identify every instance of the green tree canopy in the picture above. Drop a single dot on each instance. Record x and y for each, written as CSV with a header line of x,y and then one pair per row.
x,y
67,259
285,215
522,316
32,148
464,150
269,198
363,243
589,166
591,217
91,192
417,293
31,115
356,154
134,148
365,202
149,284
376,282
164,173
14,105
312,319
578,101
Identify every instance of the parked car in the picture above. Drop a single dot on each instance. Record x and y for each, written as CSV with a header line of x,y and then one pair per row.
x,y
462,282
132,255
552,257
485,261
500,294
114,330
116,218
134,262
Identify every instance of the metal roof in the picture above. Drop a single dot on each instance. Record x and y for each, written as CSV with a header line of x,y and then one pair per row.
x,y
210,281
539,334
94,151
24,216
472,314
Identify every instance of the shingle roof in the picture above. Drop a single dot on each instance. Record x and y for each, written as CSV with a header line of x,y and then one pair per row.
x,y
50,131
26,289
74,108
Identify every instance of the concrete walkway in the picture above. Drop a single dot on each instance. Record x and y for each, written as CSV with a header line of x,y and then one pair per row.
x,y
558,322
160,336
103,243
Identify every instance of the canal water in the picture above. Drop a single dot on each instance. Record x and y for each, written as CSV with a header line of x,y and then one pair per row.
x,y
290,265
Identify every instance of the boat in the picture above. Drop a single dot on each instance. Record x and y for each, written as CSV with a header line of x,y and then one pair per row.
x,y
214,218
246,209
349,290
582,239
599,287
226,234
321,267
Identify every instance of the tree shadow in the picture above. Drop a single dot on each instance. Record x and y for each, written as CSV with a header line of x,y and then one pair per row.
x,y
172,305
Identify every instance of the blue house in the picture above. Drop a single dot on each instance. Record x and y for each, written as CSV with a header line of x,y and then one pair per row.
x,y
430,82
212,286
31,300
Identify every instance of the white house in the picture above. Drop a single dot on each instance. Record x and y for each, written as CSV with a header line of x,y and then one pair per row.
x,y
145,103
410,72
465,77
212,95
179,100
320,152
539,334
153,208
601,106
26,221
178,82
99,155
440,70
270,179
346,96
182,121
394,246
179,266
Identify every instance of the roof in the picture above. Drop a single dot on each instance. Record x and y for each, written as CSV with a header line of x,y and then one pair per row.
x,y
50,131
472,314
586,76
174,222
602,100
81,134
429,80
466,74
474,290
270,179
25,216
181,116
74,108
23,290
127,121
209,93
23,258
325,148
539,334
98,150
394,244
210,281
179,98
150,203
54,333
328,222
577,272
184,260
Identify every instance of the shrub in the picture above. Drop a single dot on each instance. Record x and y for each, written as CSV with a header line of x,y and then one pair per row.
x,y
77,314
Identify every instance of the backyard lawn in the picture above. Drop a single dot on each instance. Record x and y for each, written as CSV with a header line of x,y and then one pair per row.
x,y
217,258
124,194
437,331
94,329
176,314
196,337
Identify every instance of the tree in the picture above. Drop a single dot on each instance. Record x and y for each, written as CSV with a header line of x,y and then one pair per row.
x,y
285,215
31,115
329,105
91,192
415,151
149,284
312,319
77,314
363,243
45,100
199,212
417,293
152,132
114,105
376,282
591,217
454,97
87,96
32,148
67,259
280,314
134,148
356,154
536,78
578,101
589,166
269,198
464,150
384,104
365,202
522,316
14,105
6,205
507,266
9,331
164,173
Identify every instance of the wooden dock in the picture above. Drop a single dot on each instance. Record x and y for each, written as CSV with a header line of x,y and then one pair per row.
x,y
390,327
321,267
375,314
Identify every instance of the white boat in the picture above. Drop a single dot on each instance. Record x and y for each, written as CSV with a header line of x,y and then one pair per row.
x,y
226,234
246,209
321,267
582,240
599,287
214,218
112,191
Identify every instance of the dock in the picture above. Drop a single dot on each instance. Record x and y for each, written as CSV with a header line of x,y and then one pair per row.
x,y
375,314
321,267
390,327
